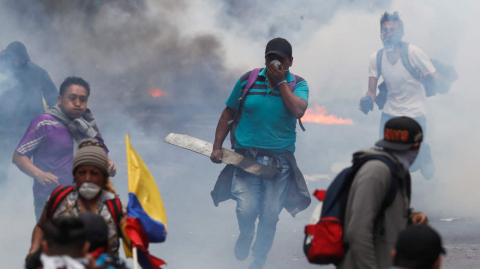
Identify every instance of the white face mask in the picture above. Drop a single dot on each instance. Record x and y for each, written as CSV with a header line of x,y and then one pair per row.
x,y
89,190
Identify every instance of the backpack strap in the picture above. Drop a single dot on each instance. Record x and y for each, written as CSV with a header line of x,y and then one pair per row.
x,y
292,87
379,62
394,184
115,208
251,80
406,61
395,174
57,196
238,112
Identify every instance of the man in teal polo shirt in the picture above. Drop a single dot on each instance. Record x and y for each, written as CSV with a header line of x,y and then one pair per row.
x,y
266,133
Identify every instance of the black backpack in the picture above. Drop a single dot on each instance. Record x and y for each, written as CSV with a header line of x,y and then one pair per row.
x,y
448,73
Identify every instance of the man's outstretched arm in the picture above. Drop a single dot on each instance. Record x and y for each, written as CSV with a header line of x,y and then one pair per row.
x,y
372,87
221,133
372,90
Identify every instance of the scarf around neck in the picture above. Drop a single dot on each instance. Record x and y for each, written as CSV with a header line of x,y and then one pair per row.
x,y
83,126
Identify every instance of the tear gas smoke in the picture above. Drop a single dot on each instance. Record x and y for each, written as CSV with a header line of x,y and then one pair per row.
x,y
195,51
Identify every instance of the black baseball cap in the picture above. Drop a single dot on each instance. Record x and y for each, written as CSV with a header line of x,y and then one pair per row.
x,y
401,134
418,246
279,46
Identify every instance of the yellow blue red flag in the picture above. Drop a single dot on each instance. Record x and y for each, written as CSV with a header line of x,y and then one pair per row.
x,y
146,219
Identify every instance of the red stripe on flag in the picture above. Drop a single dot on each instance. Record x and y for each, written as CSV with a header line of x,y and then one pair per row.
x,y
136,233
139,239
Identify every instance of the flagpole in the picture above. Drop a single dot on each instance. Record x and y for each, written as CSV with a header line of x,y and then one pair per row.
x,y
135,258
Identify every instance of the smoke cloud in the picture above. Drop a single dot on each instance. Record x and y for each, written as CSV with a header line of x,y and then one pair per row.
x,y
195,51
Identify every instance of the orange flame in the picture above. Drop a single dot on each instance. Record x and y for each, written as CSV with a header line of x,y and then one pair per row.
x,y
319,114
157,93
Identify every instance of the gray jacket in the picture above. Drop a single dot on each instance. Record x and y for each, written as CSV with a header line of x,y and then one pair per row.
x,y
371,236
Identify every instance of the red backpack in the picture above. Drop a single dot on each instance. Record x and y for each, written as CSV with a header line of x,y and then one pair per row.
x,y
324,242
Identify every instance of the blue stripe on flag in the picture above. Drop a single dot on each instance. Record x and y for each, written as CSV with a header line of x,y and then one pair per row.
x,y
155,230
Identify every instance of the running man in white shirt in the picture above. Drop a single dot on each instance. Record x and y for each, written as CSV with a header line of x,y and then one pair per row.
x,y
405,95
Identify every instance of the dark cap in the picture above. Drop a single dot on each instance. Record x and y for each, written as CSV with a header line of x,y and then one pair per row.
x,y
17,52
279,46
418,247
401,134
96,230
65,230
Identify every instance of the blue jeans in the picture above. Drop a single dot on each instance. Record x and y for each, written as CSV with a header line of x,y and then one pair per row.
x,y
262,198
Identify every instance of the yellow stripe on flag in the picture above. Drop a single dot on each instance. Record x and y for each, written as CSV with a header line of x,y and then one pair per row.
x,y
142,184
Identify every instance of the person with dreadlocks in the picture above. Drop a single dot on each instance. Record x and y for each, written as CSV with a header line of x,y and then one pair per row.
x,y
405,69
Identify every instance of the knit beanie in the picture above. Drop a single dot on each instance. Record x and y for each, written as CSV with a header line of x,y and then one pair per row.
x,y
91,152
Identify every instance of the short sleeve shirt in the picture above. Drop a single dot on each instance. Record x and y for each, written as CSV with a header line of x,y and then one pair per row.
x,y
406,95
266,123
50,145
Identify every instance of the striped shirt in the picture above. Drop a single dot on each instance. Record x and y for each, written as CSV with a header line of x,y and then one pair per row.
x,y
266,123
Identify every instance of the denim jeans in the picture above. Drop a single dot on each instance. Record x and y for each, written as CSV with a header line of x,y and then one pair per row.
x,y
263,199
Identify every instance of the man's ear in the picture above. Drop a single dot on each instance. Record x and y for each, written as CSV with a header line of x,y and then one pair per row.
x,y
59,100
291,61
45,247
85,248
